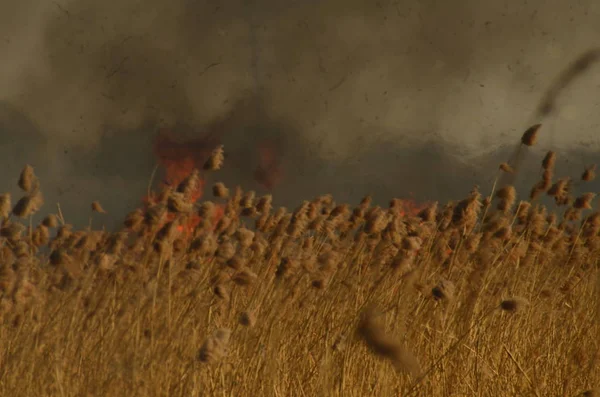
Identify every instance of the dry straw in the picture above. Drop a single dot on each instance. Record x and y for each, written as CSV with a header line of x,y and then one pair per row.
x,y
141,294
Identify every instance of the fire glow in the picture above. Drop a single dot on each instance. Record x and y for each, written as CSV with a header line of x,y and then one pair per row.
x,y
409,207
178,160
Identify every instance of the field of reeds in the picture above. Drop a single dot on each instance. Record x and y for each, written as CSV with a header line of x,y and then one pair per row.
x,y
227,296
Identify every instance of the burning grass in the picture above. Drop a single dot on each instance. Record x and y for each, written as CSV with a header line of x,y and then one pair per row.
x,y
485,296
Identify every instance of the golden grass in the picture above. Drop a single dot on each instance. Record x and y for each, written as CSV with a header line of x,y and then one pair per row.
x,y
468,298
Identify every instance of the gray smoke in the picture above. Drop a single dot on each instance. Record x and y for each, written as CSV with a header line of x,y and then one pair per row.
x,y
380,97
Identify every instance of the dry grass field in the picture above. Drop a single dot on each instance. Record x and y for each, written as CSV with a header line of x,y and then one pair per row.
x,y
488,296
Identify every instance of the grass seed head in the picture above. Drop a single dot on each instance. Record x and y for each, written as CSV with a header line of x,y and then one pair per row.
x,y
96,207
589,174
429,214
559,189
215,161
584,201
5,205
190,185
27,180
507,168
221,291
444,290
380,344
530,135
591,393
50,221
215,346
220,191
549,161
29,204
247,318
513,304
245,277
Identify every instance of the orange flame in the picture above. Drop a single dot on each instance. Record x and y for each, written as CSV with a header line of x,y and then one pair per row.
x,y
178,161
409,207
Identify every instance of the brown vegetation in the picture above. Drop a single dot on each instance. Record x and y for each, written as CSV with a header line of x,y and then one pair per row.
x,y
467,298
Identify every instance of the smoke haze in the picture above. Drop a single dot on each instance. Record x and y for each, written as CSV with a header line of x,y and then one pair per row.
x,y
380,97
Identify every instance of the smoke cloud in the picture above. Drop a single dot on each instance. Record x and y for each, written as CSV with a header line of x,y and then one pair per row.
x,y
380,97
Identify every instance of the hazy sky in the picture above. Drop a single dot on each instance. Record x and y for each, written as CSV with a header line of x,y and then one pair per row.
x,y
345,75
